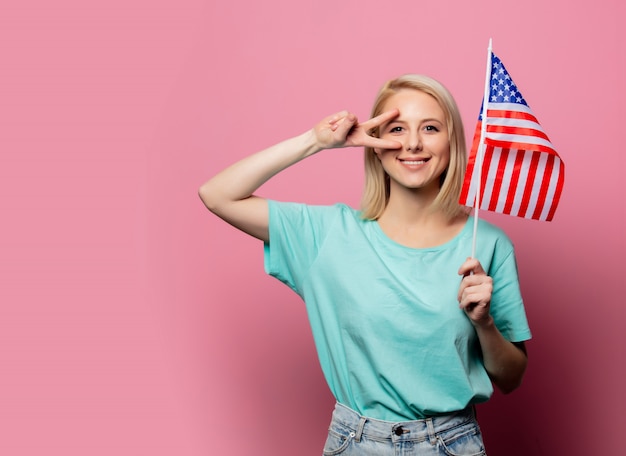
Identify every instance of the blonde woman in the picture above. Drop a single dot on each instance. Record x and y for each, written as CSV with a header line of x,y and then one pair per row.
x,y
410,332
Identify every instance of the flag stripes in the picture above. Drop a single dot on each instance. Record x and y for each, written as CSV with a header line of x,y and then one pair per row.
x,y
521,173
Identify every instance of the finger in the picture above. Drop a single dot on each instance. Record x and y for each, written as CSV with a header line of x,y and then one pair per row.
x,y
345,124
472,305
471,266
464,291
476,285
469,305
380,119
379,143
337,116
475,280
336,119
475,294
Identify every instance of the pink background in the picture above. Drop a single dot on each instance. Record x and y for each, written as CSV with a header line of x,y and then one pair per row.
x,y
133,322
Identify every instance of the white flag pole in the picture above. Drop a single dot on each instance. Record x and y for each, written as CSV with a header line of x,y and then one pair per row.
x,y
481,147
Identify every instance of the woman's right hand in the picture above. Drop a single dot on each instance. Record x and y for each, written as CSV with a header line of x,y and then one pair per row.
x,y
344,130
230,193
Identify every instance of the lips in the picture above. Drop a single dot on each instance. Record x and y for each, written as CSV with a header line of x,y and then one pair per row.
x,y
420,161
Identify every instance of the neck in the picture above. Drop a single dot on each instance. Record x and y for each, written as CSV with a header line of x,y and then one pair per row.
x,y
409,219
411,206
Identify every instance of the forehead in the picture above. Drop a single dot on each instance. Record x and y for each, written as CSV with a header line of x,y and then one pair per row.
x,y
415,103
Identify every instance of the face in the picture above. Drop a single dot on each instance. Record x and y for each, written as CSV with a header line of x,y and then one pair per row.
x,y
421,128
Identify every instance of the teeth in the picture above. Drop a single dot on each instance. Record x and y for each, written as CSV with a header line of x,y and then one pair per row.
x,y
414,162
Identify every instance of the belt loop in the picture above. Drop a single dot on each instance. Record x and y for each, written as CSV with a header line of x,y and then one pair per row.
x,y
359,429
431,431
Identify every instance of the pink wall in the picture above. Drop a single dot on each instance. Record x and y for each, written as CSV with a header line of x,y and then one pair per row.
x,y
134,322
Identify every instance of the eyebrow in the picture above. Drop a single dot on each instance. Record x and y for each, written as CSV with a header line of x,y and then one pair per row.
x,y
397,120
432,119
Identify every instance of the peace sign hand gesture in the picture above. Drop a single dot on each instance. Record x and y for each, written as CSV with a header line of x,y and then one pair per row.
x,y
344,130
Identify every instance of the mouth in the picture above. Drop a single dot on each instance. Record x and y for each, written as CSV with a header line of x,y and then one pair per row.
x,y
413,162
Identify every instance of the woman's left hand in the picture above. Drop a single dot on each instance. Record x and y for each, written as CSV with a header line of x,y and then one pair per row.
x,y
475,292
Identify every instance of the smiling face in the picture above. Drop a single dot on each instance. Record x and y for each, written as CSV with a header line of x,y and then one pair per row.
x,y
422,129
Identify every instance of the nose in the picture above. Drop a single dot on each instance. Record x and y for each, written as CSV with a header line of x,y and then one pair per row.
x,y
413,142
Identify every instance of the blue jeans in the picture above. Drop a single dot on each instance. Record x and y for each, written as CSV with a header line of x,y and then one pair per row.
x,y
351,434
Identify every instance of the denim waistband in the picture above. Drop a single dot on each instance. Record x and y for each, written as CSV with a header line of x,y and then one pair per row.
x,y
424,429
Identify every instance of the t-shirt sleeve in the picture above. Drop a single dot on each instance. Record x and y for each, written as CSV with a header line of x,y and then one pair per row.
x,y
507,306
296,233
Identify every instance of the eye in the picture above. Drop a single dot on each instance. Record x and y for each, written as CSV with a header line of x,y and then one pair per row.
x,y
395,129
431,128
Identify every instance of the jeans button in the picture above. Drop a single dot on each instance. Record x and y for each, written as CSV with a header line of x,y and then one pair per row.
x,y
398,431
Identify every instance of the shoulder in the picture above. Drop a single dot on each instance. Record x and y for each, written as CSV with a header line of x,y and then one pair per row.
x,y
494,248
338,209
491,232
300,214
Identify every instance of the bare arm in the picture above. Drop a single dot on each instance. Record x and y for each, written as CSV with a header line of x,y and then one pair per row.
x,y
230,193
505,361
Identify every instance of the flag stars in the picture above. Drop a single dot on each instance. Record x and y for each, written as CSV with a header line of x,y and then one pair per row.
x,y
524,142
503,89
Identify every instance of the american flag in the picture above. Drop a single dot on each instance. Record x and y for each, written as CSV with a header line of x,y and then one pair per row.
x,y
521,174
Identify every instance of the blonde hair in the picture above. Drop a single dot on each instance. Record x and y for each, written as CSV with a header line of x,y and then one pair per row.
x,y
376,191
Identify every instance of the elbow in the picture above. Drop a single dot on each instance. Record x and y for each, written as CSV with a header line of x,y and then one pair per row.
x,y
510,386
508,377
207,195
509,383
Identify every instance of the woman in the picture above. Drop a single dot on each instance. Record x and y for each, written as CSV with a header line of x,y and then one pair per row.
x,y
410,332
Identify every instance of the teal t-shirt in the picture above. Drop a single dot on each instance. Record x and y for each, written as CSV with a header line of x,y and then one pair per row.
x,y
392,342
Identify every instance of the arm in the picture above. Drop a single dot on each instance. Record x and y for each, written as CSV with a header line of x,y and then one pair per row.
x,y
230,193
505,361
